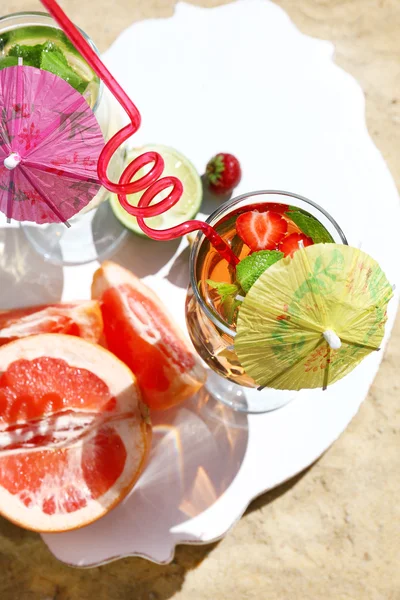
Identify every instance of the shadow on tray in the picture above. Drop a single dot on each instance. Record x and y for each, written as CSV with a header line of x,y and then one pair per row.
x,y
144,256
197,452
25,277
198,449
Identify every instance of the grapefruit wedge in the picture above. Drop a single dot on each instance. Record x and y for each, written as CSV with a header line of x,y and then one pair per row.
x,y
73,433
143,335
82,319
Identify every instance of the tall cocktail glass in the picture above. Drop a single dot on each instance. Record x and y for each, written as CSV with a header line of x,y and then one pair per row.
x,y
95,232
210,331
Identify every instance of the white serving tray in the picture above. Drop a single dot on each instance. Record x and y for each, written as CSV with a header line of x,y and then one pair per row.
x,y
238,78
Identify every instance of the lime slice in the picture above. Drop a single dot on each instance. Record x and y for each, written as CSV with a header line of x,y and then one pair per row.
x,y
185,209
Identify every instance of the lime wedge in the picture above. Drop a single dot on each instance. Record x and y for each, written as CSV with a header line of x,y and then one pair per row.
x,y
189,204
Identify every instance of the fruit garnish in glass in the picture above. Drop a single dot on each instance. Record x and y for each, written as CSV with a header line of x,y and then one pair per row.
x,y
46,47
261,228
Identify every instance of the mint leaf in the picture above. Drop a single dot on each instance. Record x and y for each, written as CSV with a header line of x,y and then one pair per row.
x,y
227,293
29,54
224,289
250,268
55,63
52,47
49,57
310,226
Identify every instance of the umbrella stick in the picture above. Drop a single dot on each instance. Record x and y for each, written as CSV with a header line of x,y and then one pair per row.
x,y
326,371
10,193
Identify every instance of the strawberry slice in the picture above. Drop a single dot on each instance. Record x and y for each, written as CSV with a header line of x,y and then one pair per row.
x,y
291,243
261,231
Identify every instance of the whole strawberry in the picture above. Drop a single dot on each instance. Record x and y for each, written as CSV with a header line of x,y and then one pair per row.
x,y
223,173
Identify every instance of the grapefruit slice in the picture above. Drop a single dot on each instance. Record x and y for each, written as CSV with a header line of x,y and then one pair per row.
x,y
82,319
73,434
143,335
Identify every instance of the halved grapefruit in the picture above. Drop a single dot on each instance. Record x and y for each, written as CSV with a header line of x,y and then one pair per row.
x,y
139,330
82,319
73,433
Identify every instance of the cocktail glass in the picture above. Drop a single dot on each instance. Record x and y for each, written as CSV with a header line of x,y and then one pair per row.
x,y
211,334
94,231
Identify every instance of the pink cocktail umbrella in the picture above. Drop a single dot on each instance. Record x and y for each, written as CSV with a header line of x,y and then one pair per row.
x,y
50,143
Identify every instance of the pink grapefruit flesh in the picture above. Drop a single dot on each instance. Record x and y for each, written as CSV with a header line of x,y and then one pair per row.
x,y
139,330
73,433
82,319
